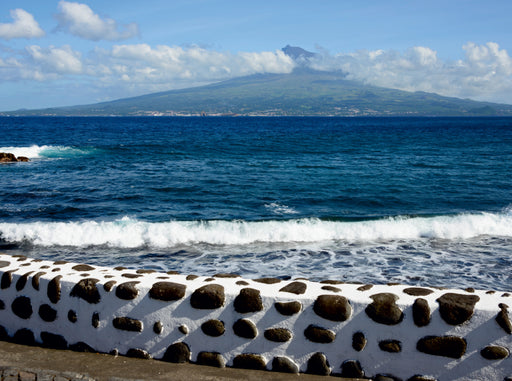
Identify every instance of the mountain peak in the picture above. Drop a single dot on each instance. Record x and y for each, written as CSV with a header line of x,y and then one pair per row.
x,y
297,52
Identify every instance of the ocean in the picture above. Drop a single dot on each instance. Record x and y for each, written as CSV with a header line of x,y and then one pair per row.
x,y
418,201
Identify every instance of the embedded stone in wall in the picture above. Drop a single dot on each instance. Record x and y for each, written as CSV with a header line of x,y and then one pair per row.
x,y
384,310
6,279
332,307
2,305
392,346
421,312
331,288
138,354
318,364
278,335
386,377
4,263
86,289
208,297
250,361
183,329
177,353
268,280
503,320
494,352
107,286
297,288
358,341
54,341
418,377
72,316
127,324
213,327
22,281
127,291
319,335
47,313
53,290
226,275
158,327
284,365
95,320
366,287
82,347
82,267
22,307
417,291
288,308
446,346
245,328
352,369
214,359
24,336
456,309
248,300
35,280
167,291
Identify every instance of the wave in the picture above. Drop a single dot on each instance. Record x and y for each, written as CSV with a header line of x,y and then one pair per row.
x,y
131,233
45,151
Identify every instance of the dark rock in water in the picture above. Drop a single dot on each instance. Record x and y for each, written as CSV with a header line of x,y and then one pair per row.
x,y
456,309
10,158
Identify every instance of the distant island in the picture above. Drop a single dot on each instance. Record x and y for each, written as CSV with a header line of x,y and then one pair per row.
x,y
303,92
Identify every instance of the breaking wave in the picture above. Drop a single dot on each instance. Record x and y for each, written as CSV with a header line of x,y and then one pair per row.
x,y
45,151
131,233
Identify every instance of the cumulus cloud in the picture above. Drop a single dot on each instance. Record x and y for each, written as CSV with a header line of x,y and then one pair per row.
x,y
485,72
23,26
81,21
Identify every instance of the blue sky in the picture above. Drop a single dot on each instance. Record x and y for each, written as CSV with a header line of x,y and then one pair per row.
x,y
56,53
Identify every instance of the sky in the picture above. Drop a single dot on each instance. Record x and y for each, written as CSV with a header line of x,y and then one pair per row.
x,y
61,53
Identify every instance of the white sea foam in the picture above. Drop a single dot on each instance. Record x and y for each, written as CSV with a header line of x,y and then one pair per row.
x,y
44,151
280,209
131,233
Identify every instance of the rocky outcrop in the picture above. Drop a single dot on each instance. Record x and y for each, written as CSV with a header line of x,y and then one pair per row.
x,y
10,158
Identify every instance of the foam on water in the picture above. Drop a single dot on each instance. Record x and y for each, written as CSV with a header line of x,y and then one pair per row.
x,y
45,151
131,233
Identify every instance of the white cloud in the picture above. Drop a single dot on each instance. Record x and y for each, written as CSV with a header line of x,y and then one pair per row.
x,y
81,21
52,62
485,73
23,26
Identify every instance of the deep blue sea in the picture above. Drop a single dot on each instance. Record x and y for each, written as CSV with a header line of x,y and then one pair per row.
x,y
421,201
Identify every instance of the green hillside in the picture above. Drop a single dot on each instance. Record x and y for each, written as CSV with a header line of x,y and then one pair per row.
x,y
304,92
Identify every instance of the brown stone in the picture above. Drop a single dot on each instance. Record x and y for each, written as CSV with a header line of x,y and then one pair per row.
x,y
330,281
120,268
226,275
384,310
158,327
131,276
108,286
24,336
127,291
358,341
95,320
245,328
183,329
53,290
421,312
248,300
214,359
86,289
366,287
297,288
22,307
47,313
249,361
4,263
318,364
352,369
332,307
319,335
446,346
278,335
138,354
82,267
6,279
6,157
268,280
392,346
145,271
72,316
417,291
456,309
331,288
419,377
54,341
2,305
177,353
288,308
127,324
242,283
82,347
213,327
191,277
503,320
284,365
35,280
494,352
167,291
22,281
208,297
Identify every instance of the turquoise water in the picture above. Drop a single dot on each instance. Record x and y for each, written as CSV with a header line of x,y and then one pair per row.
x,y
413,200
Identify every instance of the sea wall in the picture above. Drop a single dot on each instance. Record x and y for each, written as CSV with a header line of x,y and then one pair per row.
x,y
328,328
